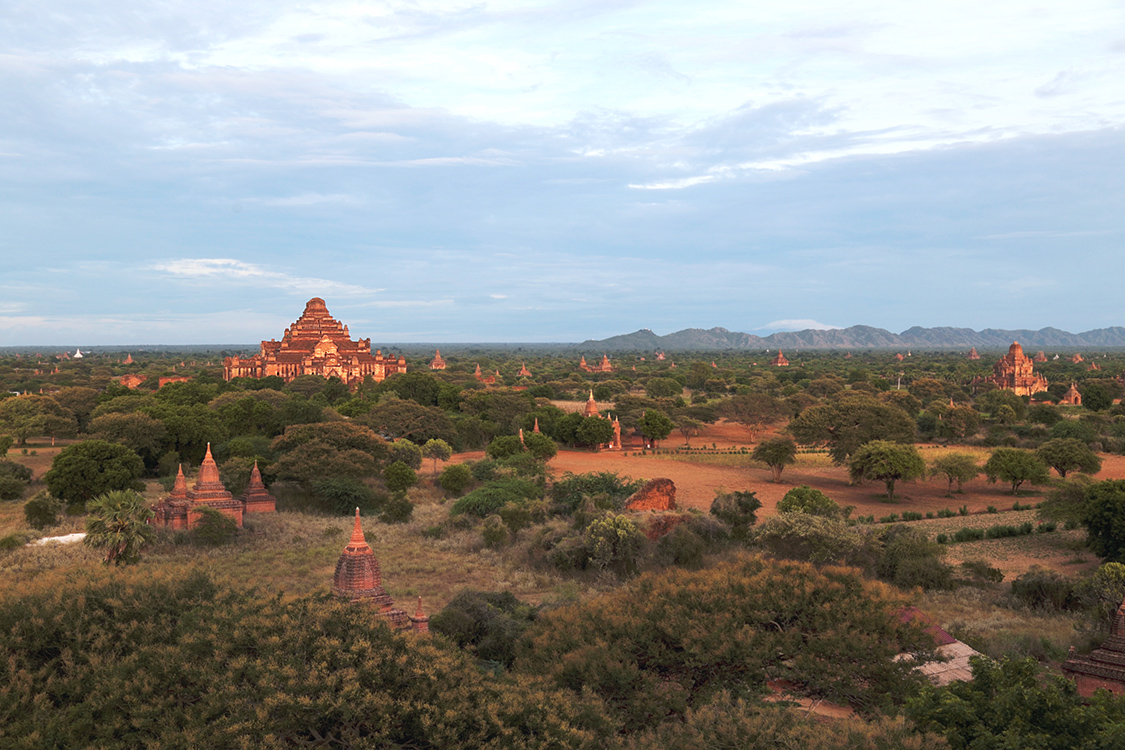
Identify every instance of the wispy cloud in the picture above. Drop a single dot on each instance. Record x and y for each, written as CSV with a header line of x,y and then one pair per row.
x,y
229,270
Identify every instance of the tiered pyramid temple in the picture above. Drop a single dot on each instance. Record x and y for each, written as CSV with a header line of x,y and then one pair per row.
x,y
317,344
1014,372
603,366
181,508
437,363
780,360
358,579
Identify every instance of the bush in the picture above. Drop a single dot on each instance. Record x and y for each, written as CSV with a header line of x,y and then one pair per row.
x,y
487,623
213,529
504,446
398,477
569,493
495,532
614,542
489,499
805,499
683,547
342,495
12,541
456,479
42,511
1045,590
737,510
909,559
397,509
980,573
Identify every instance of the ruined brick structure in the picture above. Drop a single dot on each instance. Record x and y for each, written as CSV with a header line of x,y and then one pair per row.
x,y
437,363
779,360
657,494
359,579
1040,357
524,372
180,508
317,344
973,353
1105,666
173,379
1014,372
132,381
1077,358
603,366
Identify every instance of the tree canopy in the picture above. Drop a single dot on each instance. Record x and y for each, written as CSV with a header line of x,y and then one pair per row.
x,y
886,462
82,471
849,422
1016,466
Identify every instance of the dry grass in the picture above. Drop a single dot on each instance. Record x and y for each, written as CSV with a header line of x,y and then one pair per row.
x,y
739,460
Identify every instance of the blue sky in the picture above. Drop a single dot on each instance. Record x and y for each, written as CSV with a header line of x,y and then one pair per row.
x,y
176,172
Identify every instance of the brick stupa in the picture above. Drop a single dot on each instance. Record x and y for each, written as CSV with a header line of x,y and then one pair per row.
x,y
209,491
973,353
437,363
256,498
317,344
358,579
1105,666
779,360
1014,372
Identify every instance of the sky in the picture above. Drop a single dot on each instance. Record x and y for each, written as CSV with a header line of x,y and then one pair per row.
x,y
467,171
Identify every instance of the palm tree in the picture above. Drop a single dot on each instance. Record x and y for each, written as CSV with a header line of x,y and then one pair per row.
x,y
118,522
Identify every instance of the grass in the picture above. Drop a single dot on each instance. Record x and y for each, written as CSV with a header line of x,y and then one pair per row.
x,y
739,460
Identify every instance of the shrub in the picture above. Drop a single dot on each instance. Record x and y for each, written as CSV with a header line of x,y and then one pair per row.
x,y
1045,590
909,515
495,532
737,510
909,559
42,511
968,535
504,447
805,499
614,542
398,477
489,499
979,572
485,622
213,529
456,479
397,509
14,478
683,547
342,495
569,493
816,539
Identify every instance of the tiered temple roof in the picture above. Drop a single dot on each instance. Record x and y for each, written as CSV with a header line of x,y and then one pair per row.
x,y
1014,372
256,498
316,344
209,491
973,353
1105,666
437,363
779,360
359,579
180,508
1072,396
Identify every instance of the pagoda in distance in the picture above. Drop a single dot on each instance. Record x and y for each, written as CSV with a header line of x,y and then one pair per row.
x,y
317,344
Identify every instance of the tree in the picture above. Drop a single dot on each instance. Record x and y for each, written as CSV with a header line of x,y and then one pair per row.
x,y
688,427
663,388
1095,397
35,415
137,430
805,499
79,401
776,453
42,511
91,468
327,449
655,425
1068,454
399,477
993,401
436,450
886,462
118,523
1016,466
487,623
738,510
849,422
456,479
503,447
14,478
955,467
405,451
959,422
754,411
593,431
1104,516
400,418
540,446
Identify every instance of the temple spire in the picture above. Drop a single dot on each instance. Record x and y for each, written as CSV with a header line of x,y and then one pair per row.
x,y
357,539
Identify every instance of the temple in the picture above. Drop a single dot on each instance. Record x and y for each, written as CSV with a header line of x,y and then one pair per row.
x,y
1105,666
181,508
1072,396
524,372
779,360
973,353
1014,372
358,579
317,344
591,410
603,366
437,363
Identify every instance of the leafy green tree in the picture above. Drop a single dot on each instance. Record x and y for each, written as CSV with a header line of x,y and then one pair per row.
x,y
35,415
805,499
738,510
1066,500
993,401
42,511
666,642
540,446
886,462
118,523
342,495
85,470
14,478
776,453
593,431
955,467
399,477
960,422
318,451
489,624
614,541
688,427
400,418
1095,397
136,430
663,388
456,479
436,450
909,559
503,447
655,425
849,422
1104,516
1075,429
1101,595
79,401
1016,466
176,658
6,442
754,411
405,451
1011,704
1068,454
817,539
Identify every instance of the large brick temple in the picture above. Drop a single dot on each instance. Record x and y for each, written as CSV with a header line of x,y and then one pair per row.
x,y
317,344
180,509
1014,372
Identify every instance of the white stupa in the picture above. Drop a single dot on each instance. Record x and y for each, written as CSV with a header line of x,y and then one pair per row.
x,y
78,354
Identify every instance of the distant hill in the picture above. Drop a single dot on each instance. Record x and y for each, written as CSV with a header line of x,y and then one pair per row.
x,y
862,337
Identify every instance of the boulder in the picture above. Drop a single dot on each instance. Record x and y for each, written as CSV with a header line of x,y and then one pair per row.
x,y
658,494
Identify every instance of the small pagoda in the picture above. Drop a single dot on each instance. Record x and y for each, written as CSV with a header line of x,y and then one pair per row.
x,y
973,354
1072,396
437,363
256,498
780,360
524,372
359,580
1105,666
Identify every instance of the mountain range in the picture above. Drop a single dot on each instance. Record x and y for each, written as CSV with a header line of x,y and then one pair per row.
x,y
863,337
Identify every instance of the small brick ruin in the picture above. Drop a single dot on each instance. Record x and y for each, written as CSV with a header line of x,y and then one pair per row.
x,y
1105,666
180,509
657,494
437,363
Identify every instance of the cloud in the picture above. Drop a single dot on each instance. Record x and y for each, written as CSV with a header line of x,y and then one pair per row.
x,y
798,324
221,270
